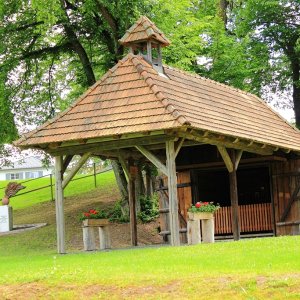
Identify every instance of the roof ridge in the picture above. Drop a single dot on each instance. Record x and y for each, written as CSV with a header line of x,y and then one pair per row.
x,y
161,97
150,30
207,79
233,89
29,134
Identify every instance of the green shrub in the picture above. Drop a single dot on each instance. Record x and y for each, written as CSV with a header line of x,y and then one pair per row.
x,y
119,214
149,208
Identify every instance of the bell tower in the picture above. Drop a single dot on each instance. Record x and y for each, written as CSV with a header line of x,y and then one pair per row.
x,y
146,39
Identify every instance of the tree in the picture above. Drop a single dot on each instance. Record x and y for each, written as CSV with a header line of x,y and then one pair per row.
x,y
62,45
275,24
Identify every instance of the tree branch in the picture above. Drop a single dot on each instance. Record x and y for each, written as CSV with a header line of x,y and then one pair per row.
x,y
47,50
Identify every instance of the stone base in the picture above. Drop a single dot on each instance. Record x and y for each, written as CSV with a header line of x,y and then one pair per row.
x,y
6,218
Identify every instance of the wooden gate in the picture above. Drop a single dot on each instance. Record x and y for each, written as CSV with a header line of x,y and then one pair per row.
x,y
253,218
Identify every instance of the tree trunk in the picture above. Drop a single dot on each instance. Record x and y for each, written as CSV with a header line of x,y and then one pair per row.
x,y
296,90
139,188
148,183
222,11
78,48
122,185
90,76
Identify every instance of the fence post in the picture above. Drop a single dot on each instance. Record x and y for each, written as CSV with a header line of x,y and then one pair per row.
x,y
95,177
51,185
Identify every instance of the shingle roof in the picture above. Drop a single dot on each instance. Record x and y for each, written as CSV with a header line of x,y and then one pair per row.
x,y
134,97
143,30
26,163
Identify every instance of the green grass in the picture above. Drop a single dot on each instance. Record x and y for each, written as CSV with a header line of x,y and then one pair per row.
x,y
225,268
75,187
265,268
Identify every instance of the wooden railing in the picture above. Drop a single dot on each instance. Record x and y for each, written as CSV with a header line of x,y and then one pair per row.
x,y
253,218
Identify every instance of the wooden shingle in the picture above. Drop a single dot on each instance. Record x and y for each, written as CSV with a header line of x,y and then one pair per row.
x,y
134,98
144,30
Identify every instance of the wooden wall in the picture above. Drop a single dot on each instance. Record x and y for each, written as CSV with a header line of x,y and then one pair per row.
x,y
184,193
285,180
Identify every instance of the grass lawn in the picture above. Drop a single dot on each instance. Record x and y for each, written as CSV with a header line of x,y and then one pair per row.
x,y
248,269
265,268
75,187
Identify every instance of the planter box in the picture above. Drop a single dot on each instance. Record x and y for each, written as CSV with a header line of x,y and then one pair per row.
x,y
95,222
200,216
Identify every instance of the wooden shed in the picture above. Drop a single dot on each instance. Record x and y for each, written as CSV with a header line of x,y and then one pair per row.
x,y
211,141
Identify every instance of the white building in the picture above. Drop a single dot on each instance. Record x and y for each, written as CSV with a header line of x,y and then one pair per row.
x,y
29,167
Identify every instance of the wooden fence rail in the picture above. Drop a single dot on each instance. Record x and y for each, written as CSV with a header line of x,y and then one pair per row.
x,y
253,218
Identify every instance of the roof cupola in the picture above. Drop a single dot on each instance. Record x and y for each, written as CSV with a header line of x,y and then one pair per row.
x,y
146,39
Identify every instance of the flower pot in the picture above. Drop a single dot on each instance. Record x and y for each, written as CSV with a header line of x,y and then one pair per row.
x,y
200,216
95,222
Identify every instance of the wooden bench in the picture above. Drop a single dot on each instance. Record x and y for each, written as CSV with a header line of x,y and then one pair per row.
x,y
89,230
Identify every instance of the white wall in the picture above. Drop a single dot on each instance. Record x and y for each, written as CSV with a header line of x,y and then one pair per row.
x,y
23,171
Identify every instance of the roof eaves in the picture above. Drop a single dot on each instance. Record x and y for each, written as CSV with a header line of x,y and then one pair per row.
x,y
181,119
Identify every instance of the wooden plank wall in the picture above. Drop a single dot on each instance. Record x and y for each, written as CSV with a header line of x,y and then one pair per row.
x,y
253,218
184,193
285,177
184,202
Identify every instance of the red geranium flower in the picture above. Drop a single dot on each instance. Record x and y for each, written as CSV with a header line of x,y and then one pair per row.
x,y
205,203
198,205
87,215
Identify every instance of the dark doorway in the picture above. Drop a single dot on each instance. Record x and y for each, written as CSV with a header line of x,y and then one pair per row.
x,y
255,208
213,185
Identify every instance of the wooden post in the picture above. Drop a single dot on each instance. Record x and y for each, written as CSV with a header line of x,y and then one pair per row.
x,y
132,200
89,242
172,188
234,200
193,232
208,230
104,238
149,51
51,187
59,206
95,175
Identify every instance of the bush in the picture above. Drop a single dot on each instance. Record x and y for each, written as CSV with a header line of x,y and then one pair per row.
x,y
117,214
149,208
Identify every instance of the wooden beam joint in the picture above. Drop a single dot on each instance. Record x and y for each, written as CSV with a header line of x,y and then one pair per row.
x,y
226,158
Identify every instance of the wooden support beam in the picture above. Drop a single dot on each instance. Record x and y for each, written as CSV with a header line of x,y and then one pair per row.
x,y
132,202
227,142
178,146
152,158
294,196
238,158
109,145
226,158
173,199
124,166
75,169
59,206
234,200
149,51
286,150
66,162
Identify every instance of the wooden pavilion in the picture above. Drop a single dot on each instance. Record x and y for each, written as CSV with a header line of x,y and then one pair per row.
x,y
212,142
